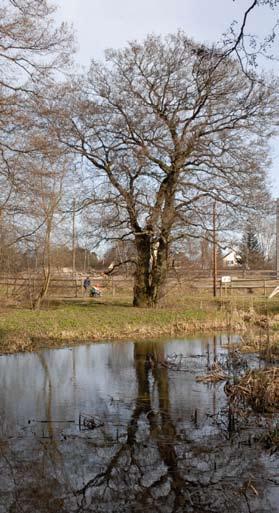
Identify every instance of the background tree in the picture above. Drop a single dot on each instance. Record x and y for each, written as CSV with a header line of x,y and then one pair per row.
x,y
33,54
49,189
251,253
265,227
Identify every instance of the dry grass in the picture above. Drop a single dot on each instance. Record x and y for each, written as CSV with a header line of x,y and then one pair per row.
x,y
258,389
266,345
216,374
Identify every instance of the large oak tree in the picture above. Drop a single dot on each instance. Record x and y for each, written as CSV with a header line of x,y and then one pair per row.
x,y
166,127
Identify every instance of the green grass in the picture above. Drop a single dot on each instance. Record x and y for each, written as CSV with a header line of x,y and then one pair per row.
x,y
72,321
24,329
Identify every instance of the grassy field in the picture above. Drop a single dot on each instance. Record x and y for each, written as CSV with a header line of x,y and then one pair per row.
x,y
113,318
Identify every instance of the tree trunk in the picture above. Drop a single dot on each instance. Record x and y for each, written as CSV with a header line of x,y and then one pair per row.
x,y
159,270
151,271
141,284
43,291
47,267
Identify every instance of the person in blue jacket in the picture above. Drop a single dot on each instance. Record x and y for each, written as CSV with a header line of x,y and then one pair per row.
x,y
86,284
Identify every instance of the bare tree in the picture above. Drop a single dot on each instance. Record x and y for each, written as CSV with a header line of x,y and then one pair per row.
x,y
31,48
33,53
247,46
49,189
166,128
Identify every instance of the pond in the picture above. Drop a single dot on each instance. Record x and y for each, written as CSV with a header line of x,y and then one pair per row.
x,y
101,428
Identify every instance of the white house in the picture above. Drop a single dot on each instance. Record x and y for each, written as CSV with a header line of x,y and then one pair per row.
x,y
230,259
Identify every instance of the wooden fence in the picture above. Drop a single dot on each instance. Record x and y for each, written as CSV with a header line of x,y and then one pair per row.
x,y
72,286
261,281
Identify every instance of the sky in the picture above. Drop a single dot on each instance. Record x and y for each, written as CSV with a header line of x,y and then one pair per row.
x,y
101,24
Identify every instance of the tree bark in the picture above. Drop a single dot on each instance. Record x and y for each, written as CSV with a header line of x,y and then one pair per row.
x,y
159,271
44,289
47,266
151,271
142,296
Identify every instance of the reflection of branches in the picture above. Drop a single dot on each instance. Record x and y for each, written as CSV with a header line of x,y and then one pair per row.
x,y
143,405
103,478
156,464
162,433
50,446
155,468
12,473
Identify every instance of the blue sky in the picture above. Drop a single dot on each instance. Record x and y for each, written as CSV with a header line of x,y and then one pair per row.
x,y
101,24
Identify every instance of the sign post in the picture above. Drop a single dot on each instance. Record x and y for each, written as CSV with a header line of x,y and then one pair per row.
x,y
225,280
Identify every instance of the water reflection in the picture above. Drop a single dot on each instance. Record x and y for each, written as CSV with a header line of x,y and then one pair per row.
x,y
152,445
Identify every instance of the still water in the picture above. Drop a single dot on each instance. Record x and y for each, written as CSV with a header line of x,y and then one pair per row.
x,y
96,428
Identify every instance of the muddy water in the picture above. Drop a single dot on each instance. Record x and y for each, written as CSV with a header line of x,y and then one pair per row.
x,y
100,428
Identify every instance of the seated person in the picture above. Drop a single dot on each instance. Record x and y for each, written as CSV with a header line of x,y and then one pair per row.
x,y
94,292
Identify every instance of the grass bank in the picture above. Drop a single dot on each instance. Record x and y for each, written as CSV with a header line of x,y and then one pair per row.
x,y
61,323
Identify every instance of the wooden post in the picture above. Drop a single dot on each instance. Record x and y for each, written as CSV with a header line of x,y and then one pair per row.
x,y
214,255
74,237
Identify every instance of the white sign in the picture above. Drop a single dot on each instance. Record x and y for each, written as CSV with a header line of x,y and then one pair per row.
x,y
226,279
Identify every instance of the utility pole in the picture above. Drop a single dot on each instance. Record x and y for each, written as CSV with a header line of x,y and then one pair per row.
x,y
74,237
214,250
277,239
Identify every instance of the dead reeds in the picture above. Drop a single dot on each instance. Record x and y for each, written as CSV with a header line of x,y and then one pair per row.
x,y
258,389
215,374
267,345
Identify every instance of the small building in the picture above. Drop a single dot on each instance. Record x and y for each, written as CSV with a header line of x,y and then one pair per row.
x,y
230,259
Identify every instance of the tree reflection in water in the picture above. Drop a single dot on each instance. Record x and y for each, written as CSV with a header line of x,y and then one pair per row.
x,y
158,468
144,458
